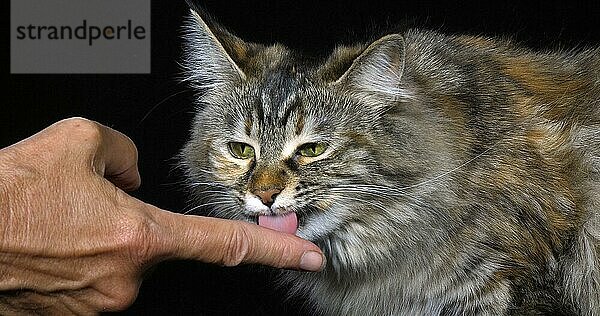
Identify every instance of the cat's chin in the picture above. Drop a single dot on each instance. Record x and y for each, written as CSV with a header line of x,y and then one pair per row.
x,y
315,227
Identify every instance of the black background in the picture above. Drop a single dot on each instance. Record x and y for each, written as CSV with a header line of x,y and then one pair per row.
x,y
155,111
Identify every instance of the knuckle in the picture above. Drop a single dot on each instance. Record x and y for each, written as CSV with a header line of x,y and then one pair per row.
x,y
80,123
91,131
75,120
237,247
80,128
123,294
136,235
140,243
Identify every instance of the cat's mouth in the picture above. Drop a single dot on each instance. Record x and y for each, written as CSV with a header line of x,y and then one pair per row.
x,y
286,223
281,216
289,222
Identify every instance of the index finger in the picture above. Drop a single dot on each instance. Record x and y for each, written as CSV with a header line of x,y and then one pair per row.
x,y
230,243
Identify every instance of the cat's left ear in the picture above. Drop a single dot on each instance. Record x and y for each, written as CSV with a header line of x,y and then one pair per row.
x,y
213,56
379,68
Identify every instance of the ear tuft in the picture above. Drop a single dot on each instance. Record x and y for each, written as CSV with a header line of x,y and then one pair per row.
x,y
210,52
379,68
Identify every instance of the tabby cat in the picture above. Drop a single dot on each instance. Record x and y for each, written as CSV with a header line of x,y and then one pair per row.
x,y
441,175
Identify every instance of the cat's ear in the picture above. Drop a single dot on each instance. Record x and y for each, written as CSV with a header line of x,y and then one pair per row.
x,y
212,56
379,68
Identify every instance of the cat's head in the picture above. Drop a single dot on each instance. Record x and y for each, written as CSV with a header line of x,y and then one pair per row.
x,y
304,145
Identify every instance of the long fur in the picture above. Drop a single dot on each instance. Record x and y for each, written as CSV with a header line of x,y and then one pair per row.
x,y
461,174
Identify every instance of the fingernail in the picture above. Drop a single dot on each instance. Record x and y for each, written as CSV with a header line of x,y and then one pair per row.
x,y
312,261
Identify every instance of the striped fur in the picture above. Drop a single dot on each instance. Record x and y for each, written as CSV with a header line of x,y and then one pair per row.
x,y
461,174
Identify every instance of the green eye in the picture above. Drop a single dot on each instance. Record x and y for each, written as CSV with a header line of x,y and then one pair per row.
x,y
241,150
311,149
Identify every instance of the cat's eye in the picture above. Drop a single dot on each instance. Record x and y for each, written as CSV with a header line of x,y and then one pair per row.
x,y
311,149
241,150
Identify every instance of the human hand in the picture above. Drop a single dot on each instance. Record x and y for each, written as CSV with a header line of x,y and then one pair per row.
x,y
74,242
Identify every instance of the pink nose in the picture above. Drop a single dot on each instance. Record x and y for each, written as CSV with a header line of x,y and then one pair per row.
x,y
268,196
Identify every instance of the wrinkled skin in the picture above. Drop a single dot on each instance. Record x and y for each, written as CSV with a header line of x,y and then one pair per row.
x,y
73,242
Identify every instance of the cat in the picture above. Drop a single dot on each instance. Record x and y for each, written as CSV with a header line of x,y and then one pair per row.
x,y
441,174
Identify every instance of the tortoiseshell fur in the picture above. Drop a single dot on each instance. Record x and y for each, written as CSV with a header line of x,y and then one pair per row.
x,y
461,175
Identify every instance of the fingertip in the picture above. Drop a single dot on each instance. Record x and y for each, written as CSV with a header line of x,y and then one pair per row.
x,y
313,261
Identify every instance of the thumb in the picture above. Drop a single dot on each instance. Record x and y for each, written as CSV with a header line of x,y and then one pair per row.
x,y
231,243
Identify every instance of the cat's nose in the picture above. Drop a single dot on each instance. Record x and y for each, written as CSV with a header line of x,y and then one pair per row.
x,y
268,196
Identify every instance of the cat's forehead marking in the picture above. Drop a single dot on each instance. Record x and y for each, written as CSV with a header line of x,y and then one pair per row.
x,y
300,123
293,111
277,98
277,113
248,126
265,101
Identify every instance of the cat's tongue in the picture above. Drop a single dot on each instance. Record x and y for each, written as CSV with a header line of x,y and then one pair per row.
x,y
287,223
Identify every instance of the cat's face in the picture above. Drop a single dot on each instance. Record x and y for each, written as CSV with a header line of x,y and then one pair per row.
x,y
305,146
280,146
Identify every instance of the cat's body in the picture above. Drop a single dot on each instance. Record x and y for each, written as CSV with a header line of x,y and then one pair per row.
x,y
441,175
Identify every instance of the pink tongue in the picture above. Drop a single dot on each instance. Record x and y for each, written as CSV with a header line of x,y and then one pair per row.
x,y
287,223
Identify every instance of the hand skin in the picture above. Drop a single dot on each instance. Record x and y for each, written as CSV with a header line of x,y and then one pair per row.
x,y
73,242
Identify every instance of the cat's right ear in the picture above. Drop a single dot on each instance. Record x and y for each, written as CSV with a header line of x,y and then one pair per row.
x,y
378,69
212,55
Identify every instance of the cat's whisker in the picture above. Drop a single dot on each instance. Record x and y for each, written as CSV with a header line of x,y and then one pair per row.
x,y
377,194
359,188
159,104
451,171
205,171
214,184
379,188
438,177
212,191
207,204
379,191
407,197
367,202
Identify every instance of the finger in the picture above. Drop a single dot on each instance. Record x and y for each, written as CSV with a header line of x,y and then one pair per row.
x,y
231,243
119,155
114,154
